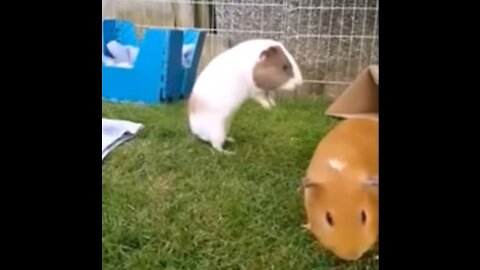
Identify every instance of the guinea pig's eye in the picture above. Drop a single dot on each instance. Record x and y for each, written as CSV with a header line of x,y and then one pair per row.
x,y
329,219
364,217
285,67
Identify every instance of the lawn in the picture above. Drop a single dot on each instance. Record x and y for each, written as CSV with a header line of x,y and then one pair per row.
x,y
170,202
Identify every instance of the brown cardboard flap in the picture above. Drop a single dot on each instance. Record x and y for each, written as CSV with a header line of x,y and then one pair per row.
x,y
374,73
360,99
371,116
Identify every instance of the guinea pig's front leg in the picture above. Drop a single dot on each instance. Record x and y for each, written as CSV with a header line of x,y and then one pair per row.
x,y
262,99
270,99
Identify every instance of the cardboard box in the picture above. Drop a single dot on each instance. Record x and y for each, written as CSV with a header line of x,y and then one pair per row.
x,y
359,99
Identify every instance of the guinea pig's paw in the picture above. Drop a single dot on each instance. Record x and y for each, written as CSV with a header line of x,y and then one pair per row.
x,y
272,102
306,226
263,101
223,151
227,152
266,105
230,139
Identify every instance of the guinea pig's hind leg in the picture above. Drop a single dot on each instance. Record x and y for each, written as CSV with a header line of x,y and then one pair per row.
x,y
219,147
228,125
218,139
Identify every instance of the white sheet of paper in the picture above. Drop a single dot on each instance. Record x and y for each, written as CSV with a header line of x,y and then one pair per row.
x,y
116,132
124,56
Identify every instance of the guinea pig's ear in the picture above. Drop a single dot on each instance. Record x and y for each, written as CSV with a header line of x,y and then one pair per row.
x,y
268,53
371,187
371,183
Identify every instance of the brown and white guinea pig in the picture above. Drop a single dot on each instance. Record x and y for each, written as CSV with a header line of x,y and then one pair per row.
x,y
249,70
341,189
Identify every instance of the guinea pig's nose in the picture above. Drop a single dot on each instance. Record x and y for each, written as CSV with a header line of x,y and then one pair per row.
x,y
352,255
347,255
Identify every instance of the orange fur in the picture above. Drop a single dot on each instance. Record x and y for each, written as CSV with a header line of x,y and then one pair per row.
x,y
341,182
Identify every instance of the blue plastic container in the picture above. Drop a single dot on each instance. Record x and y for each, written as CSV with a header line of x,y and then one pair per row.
x,y
157,74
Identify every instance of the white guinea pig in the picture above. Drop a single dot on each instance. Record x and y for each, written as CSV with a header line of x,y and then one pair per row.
x,y
250,69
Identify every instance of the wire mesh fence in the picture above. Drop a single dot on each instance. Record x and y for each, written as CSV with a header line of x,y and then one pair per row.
x,y
332,40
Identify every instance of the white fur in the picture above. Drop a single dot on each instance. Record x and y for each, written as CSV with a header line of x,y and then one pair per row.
x,y
225,84
336,164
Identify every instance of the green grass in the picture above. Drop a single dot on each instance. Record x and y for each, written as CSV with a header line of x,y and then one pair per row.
x,y
170,202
